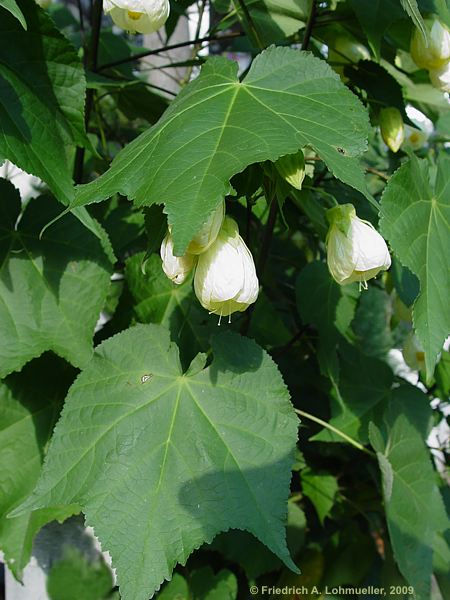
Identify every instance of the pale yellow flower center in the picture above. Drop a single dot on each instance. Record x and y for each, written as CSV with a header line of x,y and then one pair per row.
x,y
134,16
414,137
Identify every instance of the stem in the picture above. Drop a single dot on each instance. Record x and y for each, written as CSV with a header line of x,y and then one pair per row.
x,y
91,64
268,235
309,25
334,430
250,23
208,38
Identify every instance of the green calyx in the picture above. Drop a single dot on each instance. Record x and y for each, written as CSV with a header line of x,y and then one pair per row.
x,y
340,216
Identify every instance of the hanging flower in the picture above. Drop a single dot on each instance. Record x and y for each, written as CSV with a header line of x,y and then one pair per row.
x,y
440,78
355,249
208,233
177,268
225,280
138,16
392,128
436,53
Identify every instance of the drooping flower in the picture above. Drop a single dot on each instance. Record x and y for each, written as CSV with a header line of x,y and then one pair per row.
x,y
355,249
209,231
138,16
225,279
440,78
392,128
291,167
177,268
437,52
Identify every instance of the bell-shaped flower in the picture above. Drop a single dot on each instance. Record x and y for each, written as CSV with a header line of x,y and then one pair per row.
x,y
436,52
138,16
208,233
440,78
177,268
392,128
225,279
355,249
291,167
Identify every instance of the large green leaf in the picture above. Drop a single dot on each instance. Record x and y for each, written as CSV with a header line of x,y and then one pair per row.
x,y
162,461
29,406
416,221
12,7
51,290
217,126
42,88
321,489
414,508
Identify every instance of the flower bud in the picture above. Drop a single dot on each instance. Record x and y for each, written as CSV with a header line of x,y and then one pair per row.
x,y
43,3
292,169
208,233
415,139
225,279
437,52
142,16
177,268
392,128
440,78
413,353
355,249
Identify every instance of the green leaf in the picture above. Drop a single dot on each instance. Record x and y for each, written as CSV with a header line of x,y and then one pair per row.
x,y
29,407
42,97
375,16
413,504
411,8
11,6
329,307
321,489
176,589
416,221
51,290
287,100
243,549
273,19
205,585
372,322
161,462
363,390
158,300
73,578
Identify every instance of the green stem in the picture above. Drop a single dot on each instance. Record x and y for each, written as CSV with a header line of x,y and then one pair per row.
x,y
341,434
250,23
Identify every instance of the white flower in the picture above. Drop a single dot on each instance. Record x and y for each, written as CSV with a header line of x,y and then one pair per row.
x,y
208,233
437,52
177,268
414,138
440,78
143,16
225,280
355,250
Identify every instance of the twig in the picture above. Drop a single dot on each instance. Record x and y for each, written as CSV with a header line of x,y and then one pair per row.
x,y
208,38
309,25
341,434
377,172
91,64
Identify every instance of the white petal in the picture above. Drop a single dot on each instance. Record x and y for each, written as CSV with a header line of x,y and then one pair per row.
x,y
370,249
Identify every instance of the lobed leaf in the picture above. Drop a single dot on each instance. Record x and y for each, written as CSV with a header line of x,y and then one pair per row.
x,y
218,125
162,461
